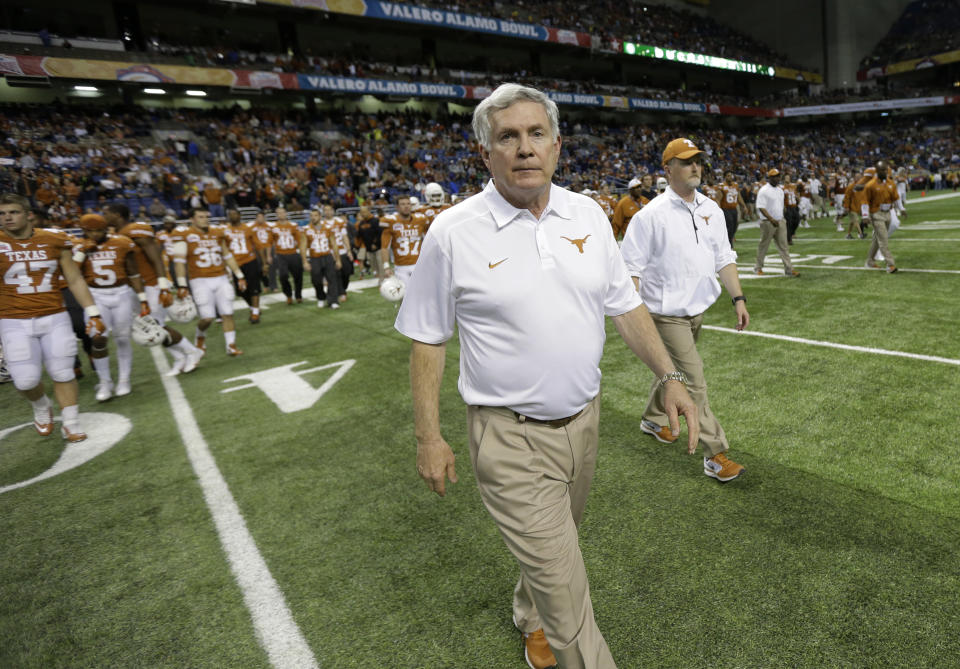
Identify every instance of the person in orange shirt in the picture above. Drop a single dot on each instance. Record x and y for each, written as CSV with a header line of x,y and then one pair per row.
x,y
286,240
403,233
264,243
156,283
242,240
854,202
628,205
881,197
318,246
109,267
35,329
731,202
202,256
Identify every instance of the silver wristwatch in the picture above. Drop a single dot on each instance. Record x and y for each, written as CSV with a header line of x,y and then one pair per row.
x,y
673,376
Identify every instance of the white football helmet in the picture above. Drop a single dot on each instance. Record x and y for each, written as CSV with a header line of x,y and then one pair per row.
x,y
661,184
392,289
182,310
146,331
433,194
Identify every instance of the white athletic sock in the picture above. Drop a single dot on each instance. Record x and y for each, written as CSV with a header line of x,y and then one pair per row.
x,y
124,358
102,365
184,346
200,333
230,337
41,404
255,311
70,416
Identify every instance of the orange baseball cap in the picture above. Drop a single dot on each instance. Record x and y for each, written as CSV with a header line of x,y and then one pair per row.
x,y
872,171
681,148
93,222
773,172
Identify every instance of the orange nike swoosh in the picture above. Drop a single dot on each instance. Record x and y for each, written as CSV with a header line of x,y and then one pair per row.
x,y
491,265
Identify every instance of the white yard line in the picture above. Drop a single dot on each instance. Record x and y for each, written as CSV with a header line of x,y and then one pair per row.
x,y
845,347
273,623
931,198
874,269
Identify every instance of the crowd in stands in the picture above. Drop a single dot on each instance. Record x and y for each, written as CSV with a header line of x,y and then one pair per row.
x,y
614,22
69,160
926,28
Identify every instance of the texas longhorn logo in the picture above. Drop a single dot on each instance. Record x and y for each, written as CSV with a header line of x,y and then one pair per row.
x,y
577,242
706,219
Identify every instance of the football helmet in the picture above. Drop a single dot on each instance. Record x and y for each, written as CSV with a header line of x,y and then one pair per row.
x,y
183,310
433,194
414,201
392,289
146,331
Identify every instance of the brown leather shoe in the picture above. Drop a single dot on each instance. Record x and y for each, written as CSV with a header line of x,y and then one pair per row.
x,y
536,650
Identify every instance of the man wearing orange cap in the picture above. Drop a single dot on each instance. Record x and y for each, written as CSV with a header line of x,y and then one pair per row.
x,y
35,329
674,249
770,206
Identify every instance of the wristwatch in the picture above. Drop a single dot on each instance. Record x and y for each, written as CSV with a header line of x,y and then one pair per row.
x,y
739,298
673,376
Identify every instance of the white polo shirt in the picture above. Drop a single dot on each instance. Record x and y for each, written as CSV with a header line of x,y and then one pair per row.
x,y
529,298
676,249
771,198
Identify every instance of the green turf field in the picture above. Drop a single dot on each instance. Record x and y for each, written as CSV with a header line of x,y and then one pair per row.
x,y
838,547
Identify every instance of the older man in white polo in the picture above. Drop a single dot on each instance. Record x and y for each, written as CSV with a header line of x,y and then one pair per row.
x,y
528,271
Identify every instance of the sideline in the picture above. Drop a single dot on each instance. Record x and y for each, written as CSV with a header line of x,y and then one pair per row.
x,y
830,344
931,198
273,623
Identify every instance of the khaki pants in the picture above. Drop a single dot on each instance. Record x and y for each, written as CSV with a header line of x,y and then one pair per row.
x,y
534,481
778,234
881,222
679,335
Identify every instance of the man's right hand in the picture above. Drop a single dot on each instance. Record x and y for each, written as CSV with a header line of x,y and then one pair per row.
x,y
182,293
435,464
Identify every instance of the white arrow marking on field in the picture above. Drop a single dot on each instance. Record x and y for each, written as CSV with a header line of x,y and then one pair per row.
x,y
286,388
103,430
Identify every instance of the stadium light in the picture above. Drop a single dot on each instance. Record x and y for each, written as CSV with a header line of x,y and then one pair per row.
x,y
197,94
675,55
90,89
154,91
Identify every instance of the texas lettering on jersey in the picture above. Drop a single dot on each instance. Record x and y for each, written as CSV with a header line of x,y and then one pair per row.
x,y
404,237
31,274
105,264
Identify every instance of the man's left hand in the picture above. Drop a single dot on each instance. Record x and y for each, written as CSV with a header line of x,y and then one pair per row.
x,y
743,317
677,401
242,285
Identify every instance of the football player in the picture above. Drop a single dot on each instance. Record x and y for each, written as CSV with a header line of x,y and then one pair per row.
x,y
35,329
319,244
628,205
436,200
152,267
403,233
201,256
731,203
242,240
369,234
286,239
110,268
342,233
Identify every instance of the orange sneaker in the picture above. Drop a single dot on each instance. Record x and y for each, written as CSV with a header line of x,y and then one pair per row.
x,y
201,343
722,468
73,436
43,420
658,432
254,318
536,650
233,351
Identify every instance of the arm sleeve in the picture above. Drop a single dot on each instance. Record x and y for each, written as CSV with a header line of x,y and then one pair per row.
x,y
636,244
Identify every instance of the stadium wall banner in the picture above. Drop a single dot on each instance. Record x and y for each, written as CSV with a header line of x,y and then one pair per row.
x,y
441,18
309,82
910,65
871,105
109,70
